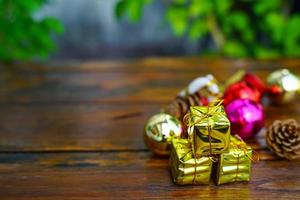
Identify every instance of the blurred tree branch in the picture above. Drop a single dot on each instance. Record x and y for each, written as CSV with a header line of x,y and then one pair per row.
x,y
247,28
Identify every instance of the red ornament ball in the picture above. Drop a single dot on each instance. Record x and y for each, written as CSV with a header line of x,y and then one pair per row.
x,y
255,82
241,90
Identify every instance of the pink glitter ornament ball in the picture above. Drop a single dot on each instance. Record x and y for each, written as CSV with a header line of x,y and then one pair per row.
x,y
246,117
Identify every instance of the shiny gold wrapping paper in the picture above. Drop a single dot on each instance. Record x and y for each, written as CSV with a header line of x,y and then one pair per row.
x,y
236,164
209,129
185,169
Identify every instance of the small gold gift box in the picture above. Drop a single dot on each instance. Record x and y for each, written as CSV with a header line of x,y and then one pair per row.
x,y
185,168
209,128
235,165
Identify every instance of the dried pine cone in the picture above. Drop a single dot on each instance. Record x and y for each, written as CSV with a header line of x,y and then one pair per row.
x,y
181,105
283,138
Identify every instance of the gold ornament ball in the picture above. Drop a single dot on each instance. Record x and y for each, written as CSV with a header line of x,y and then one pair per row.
x,y
159,130
288,83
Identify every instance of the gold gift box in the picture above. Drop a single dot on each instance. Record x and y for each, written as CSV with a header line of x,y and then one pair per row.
x,y
236,164
185,168
209,129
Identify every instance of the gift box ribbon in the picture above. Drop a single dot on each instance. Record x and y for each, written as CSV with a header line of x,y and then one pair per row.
x,y
241,145
190,121
195,162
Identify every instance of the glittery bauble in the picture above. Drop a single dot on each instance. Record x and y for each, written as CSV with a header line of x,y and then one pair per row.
x,y
284,86
159,130
246,117
241,90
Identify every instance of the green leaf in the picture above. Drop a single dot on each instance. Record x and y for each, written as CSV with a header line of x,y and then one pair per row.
x,y
276,24
263,6
51,23
223,6
248,35
292,37
265,53
29,6
179,2
148,2
198,29
234,49
200,7
134,10
22,36
239,20
178,19
120,9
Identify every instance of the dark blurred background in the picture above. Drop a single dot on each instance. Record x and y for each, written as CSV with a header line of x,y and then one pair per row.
x,y
97,29
93,31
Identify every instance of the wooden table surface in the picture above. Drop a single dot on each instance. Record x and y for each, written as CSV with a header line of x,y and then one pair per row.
x,y
73,130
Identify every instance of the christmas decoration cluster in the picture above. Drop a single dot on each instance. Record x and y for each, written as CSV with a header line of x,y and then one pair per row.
x,y
203,128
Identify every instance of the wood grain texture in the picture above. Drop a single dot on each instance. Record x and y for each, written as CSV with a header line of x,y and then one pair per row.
x,y
133,175
120,82
87,127
161,64
73,131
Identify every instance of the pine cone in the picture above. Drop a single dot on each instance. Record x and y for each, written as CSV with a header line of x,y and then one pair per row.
x,y
283,138
181,105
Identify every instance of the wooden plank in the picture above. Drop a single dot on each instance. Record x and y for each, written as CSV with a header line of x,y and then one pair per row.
x,y
100,88
159,64
180,64
73,127
124,86
130,175
90,127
